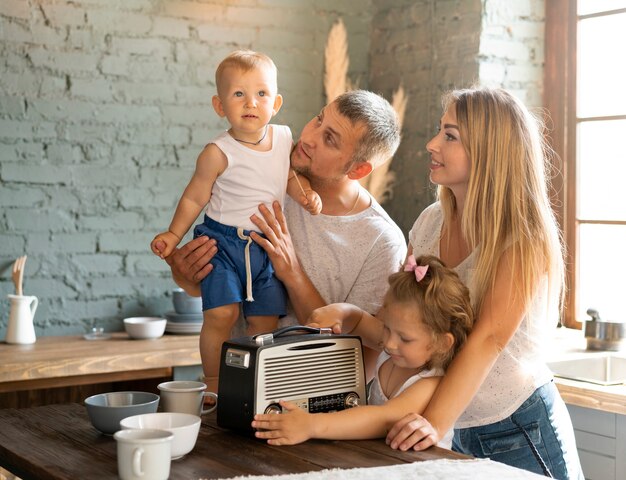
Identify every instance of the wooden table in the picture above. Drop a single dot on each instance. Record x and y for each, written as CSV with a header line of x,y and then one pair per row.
x,y
58,442
72,360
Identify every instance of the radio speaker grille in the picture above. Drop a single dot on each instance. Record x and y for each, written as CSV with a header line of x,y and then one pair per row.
x,y
310,373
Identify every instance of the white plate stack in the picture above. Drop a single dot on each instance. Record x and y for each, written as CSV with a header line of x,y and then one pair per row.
x,y
187,315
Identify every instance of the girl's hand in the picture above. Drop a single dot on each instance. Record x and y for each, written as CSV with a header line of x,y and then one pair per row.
x,y
412,431
294,426
330,316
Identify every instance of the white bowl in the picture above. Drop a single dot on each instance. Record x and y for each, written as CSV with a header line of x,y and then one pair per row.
x,y
184,426
145,327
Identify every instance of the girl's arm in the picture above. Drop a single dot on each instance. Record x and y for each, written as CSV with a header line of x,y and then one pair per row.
x,y
369,421
499,318
210,164
347,318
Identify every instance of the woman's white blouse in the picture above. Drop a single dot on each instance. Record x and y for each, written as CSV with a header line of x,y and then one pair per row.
x,y
520,368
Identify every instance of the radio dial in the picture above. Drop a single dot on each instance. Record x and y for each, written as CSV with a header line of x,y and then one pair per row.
x,y
351,400
273,408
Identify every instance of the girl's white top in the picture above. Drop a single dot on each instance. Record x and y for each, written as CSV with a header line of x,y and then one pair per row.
x,y
250,179
520,368
376,395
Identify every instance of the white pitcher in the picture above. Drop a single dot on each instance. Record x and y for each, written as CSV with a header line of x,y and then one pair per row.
x,y
21,329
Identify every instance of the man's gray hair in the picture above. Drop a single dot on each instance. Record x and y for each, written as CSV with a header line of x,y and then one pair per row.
x,y
382,136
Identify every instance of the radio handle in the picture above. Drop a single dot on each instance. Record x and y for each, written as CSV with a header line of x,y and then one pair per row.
x,y
264,338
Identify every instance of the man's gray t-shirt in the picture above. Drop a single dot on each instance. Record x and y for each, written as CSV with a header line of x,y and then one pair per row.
x,y
349,258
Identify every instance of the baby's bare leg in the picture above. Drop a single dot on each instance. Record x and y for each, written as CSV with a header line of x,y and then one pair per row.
x,y
261,324
216,329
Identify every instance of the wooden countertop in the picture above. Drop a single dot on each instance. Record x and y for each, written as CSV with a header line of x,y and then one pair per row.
x,y
568,343
57,442
73,360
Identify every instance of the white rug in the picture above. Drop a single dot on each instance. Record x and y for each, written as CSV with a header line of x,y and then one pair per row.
x,y
428,470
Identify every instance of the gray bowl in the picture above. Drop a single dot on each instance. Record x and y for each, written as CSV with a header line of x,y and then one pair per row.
x,y
106,410
186,304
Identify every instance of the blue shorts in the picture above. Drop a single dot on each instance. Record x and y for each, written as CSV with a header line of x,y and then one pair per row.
x,y
542,420
226,284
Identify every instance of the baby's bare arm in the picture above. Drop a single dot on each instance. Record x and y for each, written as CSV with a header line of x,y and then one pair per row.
x,y
210,164
299,188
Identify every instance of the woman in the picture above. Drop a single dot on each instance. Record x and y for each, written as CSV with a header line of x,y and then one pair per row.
x,y
493,224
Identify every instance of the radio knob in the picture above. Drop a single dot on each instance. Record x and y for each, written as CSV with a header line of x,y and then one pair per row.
x,y
351,400
273,408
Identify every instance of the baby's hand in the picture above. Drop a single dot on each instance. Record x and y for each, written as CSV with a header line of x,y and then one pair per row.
x,y
312,202
164,243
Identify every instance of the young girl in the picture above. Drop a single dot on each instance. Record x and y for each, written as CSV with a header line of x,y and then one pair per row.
x,y
426,317
494,225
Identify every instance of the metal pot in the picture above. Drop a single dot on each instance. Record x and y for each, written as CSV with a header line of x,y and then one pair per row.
x,y
602,335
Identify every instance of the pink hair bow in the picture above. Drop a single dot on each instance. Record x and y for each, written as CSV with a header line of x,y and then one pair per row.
x,y
412,266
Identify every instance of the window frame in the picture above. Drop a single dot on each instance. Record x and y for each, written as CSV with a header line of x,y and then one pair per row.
x,y
559,99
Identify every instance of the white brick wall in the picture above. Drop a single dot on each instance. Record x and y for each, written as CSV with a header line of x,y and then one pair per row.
x,y
104,107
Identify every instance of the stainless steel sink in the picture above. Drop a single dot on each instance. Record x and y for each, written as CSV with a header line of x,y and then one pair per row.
x,y
605,369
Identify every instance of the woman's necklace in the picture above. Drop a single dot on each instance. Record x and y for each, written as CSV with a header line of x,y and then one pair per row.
x,y
358,196
254,143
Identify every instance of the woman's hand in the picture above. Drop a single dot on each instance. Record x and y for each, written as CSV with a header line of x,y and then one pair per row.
x,y
190,263
277,243
288,428
412,431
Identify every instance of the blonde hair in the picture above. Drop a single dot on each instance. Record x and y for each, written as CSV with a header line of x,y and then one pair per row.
x,y
245,60
443,301
507,205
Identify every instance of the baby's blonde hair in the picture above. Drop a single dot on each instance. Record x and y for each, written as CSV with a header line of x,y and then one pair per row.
x,y
245,60
443,302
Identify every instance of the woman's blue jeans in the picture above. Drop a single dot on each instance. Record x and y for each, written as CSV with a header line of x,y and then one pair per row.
x,y
542,419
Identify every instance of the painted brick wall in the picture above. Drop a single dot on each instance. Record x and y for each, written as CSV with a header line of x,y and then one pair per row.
x,y
431,46
104,107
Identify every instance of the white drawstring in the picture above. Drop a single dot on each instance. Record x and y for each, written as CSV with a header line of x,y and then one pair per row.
x,y
248,269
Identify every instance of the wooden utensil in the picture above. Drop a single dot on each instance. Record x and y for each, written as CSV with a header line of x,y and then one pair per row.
x,y
18,273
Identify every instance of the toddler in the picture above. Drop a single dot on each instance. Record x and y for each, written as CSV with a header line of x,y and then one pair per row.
x,y
425,319
243,167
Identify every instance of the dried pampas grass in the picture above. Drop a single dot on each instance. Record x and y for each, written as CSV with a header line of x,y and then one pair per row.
x,y
379,182
336,62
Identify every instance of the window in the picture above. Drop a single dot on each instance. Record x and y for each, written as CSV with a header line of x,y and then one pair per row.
x,y
585,95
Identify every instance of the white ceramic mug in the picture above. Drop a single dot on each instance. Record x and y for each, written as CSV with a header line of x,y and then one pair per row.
x,y
185,396
144,454
20,328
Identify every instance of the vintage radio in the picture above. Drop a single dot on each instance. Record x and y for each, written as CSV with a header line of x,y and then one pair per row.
x,y
318,371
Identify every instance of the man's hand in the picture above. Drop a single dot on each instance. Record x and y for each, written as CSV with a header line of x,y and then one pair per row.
x,y
277,243
293,426
412,431
190,263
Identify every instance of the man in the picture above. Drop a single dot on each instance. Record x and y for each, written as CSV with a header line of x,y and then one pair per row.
x,y
346,253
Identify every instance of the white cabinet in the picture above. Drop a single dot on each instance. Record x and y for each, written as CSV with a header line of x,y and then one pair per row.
x,y
601,442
